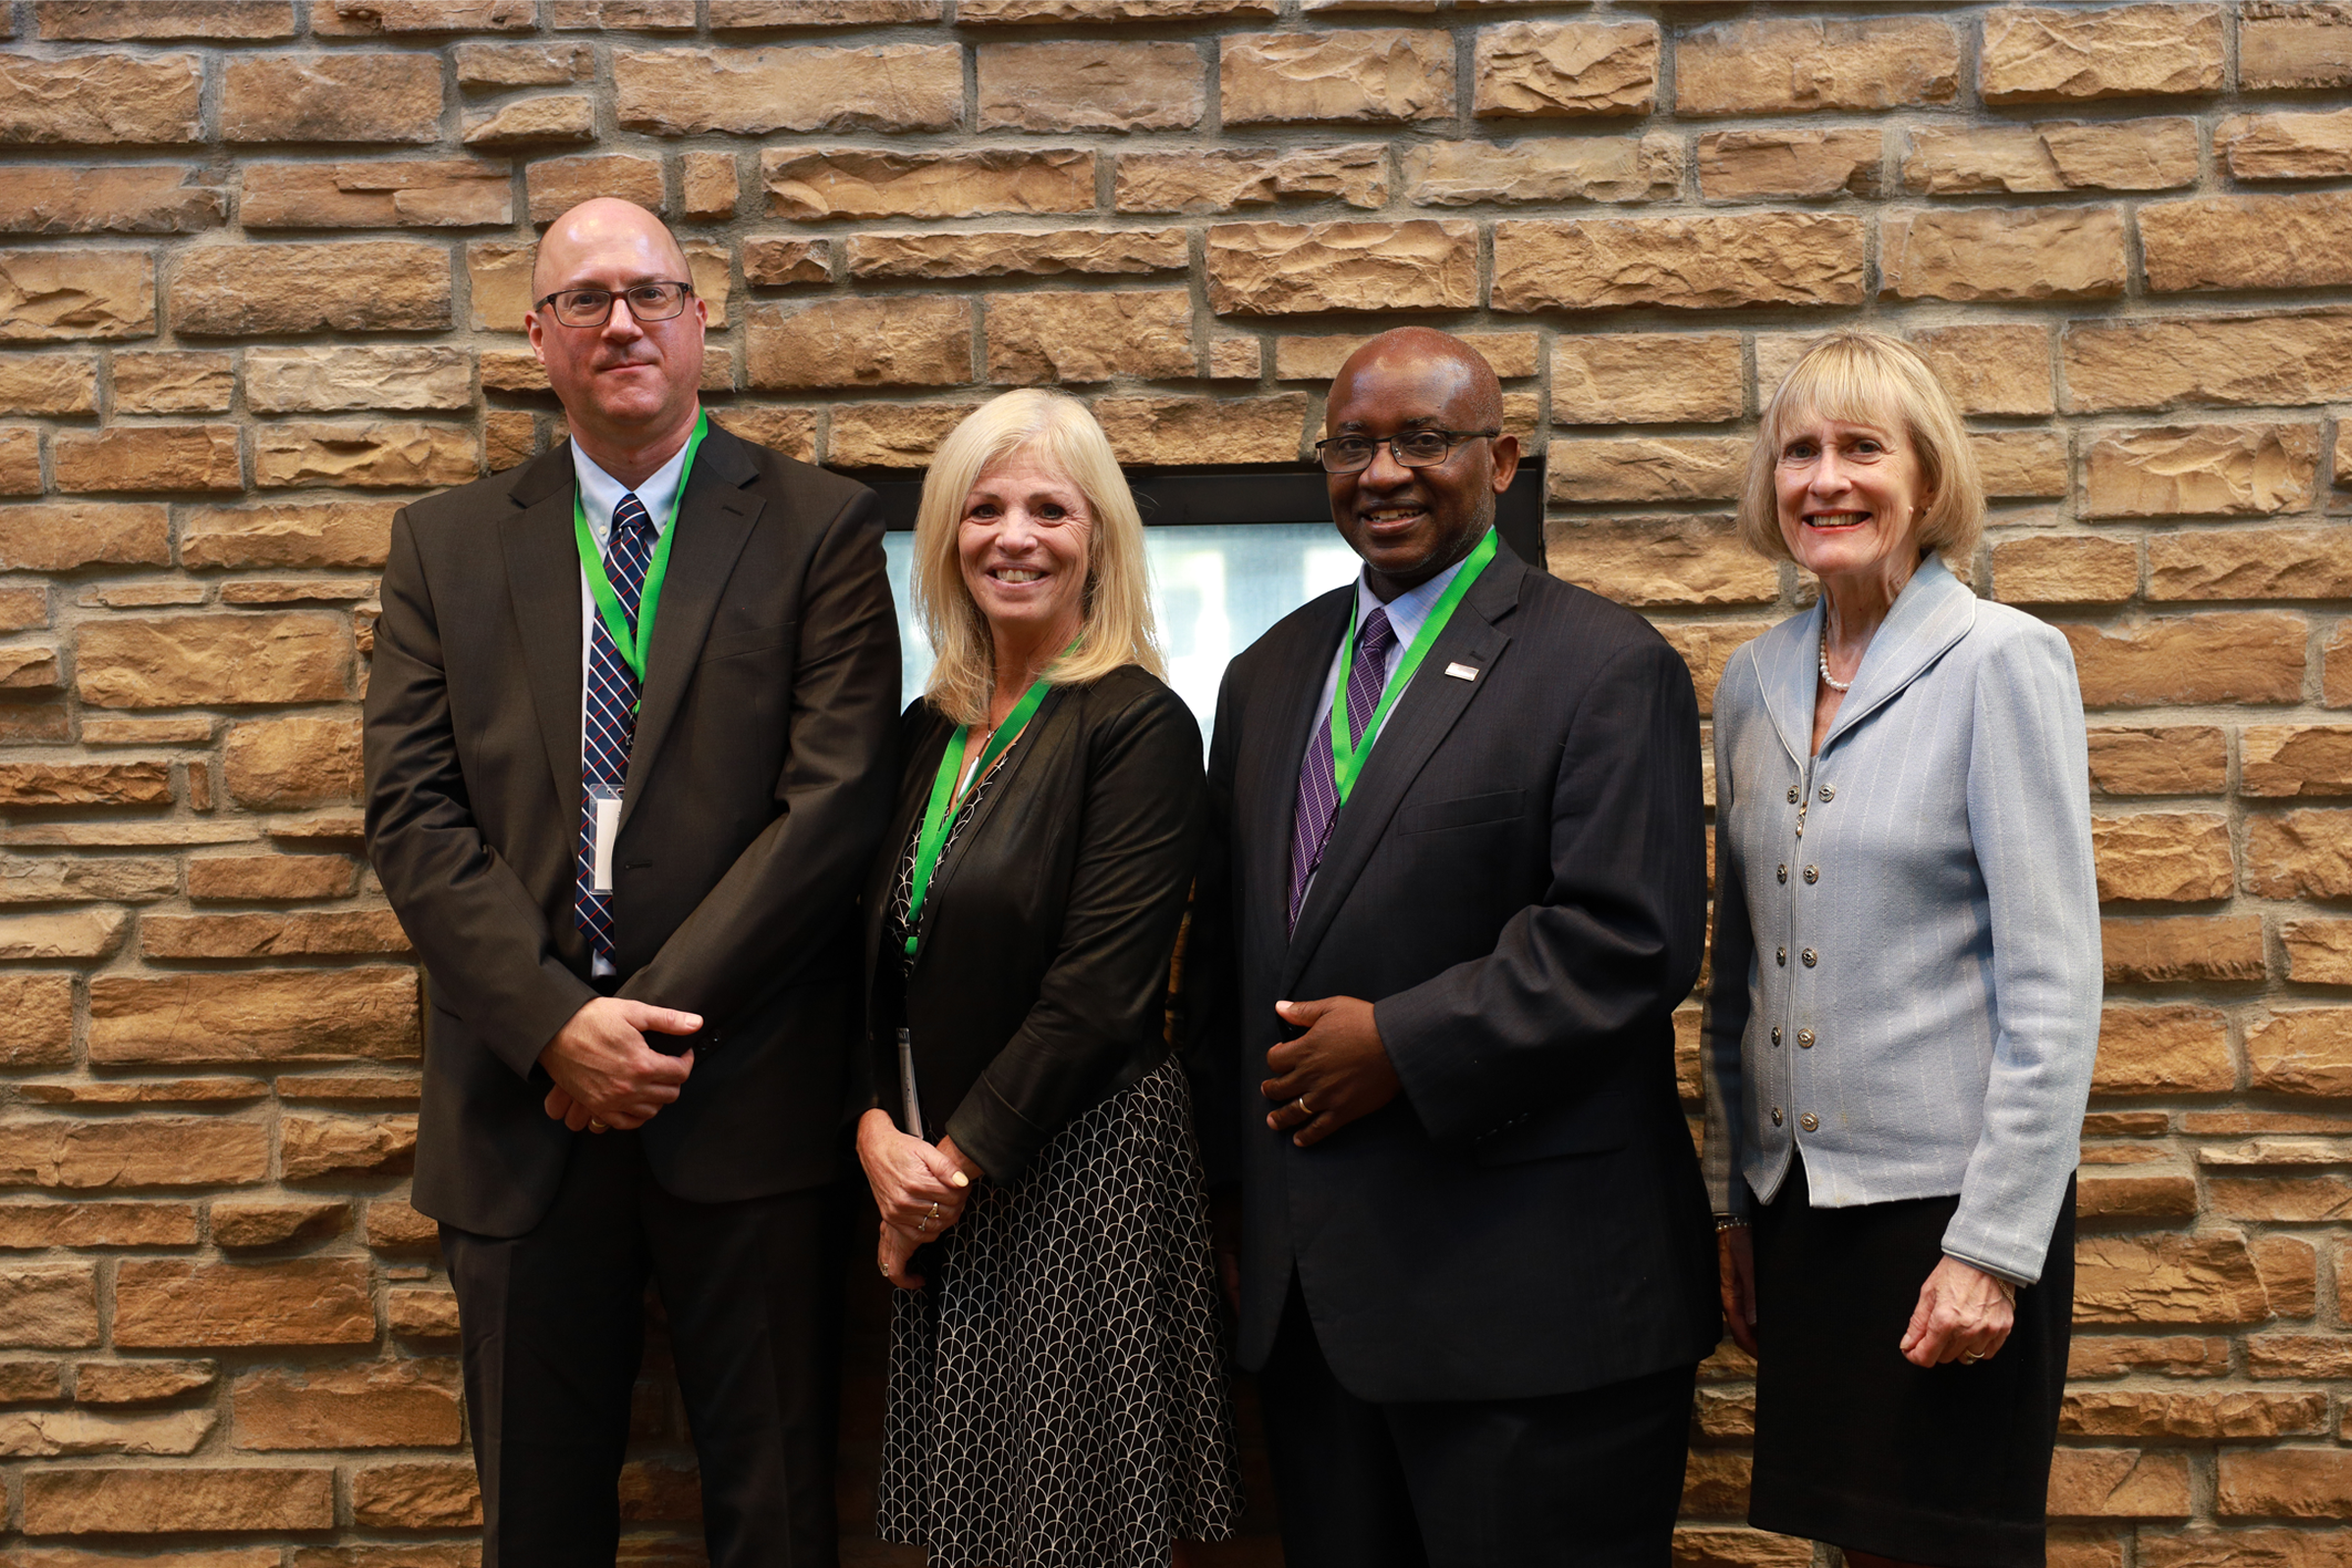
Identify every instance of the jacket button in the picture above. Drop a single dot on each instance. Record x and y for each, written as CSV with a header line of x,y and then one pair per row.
x,y
1792,794
1784,871
1804,1039
1813,873
1780,957
1776,1034
1775,1116
1829,792
1810,957
1809,1121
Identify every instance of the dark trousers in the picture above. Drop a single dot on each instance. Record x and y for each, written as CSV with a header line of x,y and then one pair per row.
x,y
1588,1478
553,1326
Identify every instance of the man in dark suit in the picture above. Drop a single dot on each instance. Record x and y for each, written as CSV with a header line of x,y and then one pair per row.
x,y
1442,940
628,850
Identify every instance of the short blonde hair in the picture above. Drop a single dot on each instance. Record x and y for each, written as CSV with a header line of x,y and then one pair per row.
x,y
1118,627
1870,378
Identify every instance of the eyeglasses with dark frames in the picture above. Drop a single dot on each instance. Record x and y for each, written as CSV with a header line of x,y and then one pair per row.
x,y
592,308
1414,449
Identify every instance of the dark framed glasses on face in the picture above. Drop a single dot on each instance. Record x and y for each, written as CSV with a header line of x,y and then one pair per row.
x,y
1414,449
592,308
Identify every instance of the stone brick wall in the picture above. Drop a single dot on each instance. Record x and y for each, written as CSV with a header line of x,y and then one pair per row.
x,y
261,277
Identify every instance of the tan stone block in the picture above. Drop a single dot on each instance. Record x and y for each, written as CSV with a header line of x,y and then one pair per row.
x,y
2244,1548
49,1306
436,193
61,536
1092,336
52,295
142,199
368,1086
138,1383
857,183
1653,468
895,86
2175,1048
209,1093
109,21
2336,667
2233,1416
366,18
1377,75
421,1311
2318,952
2067,569
1707,648
135,458
2286,145
265,879
2294,44
311,1301
2290,563
19,461
509,437
31,1380
2167,1278
532,122
1991,368
2024,463
1660,560
395,1404
791,432
984,13
125,1500
266,1016
1236,360
890,436
498,275
144,1152
48,383
1282,268
709,185
328,933
2283,1483
28,668
773,263
988,255
2302,1050
2247,242
331,97
2183,948
310,1148
82,934
646,16
1455,174
2306,854
353,286
2175,760
1737,165
2110,155
293,764
2276,759
1788,66
270,1222
1512,355
85,1223
1711,262
39,1009
24,607
38,784
317,534
553,187
524,64
1169,432
2138,1196
1977,253
1088,85
2042,54
2281,1199
1714,1484
2177,857
2173,1355
1525,69
104,98
2215,360
49,1434
393,1226
1697,1548
899,340
374,455
415,1496
173,383
1220,178
292,380
2201,470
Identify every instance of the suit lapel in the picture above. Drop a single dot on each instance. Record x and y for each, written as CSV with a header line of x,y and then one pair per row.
x,y
543,574
714,522
1788,659
1276,751
1934,610
1420,722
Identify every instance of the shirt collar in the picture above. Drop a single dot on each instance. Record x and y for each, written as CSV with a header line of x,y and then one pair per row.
x,y
1410,610
600,492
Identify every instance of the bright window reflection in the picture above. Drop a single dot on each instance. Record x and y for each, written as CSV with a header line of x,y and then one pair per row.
x,y
1216,590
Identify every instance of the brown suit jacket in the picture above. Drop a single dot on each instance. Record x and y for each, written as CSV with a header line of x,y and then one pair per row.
x,y
757,784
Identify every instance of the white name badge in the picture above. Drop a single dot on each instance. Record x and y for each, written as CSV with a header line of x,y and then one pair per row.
x,y
608,829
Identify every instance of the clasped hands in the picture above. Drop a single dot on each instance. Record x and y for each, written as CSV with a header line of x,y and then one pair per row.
x,y
605,1074
1963,1314
919,1187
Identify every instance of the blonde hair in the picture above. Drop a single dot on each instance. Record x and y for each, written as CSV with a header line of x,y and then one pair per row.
x,y
1117,629
1870,378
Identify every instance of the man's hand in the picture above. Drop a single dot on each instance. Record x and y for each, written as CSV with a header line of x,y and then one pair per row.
x,y
1335,1073
1963,1314
605,1074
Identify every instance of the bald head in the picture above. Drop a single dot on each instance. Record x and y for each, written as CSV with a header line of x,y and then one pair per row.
x,y
1455,372
596,226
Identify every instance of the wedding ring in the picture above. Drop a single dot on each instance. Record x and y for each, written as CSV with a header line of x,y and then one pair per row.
x,y
596,1126
1969,1357
1302,1106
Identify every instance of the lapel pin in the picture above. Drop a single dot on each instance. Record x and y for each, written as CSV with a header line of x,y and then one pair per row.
x,y
1462,672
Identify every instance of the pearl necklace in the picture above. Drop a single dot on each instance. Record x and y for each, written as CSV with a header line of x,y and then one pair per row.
x,y
1834,683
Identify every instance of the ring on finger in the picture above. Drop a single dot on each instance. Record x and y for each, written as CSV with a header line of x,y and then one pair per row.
x,y
596,1126
1304,1109
1969,1357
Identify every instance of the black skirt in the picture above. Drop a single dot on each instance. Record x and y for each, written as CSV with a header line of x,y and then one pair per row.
x,y
1856,1446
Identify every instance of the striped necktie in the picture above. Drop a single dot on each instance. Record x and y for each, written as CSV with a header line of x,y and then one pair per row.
x,y
612,719
1318,779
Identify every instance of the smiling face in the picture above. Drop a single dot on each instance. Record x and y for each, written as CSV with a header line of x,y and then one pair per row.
x,y
626,384
1849,497
1024,542
1411,524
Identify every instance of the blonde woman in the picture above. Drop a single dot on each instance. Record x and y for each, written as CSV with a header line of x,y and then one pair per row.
x,y
1904,1001
1057,1390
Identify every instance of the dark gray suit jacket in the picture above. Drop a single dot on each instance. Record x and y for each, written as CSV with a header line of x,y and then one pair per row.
x,y
1518,884
757,787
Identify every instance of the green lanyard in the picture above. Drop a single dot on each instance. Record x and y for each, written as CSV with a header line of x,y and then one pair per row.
x,y
632,644
936,816
1348,761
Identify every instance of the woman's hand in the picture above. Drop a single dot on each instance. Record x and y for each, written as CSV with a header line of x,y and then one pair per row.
x,y
919,1189
896,1251
1963,1314
1735,1256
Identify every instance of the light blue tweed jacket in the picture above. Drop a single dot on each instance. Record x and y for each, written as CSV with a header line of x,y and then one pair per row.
x,y
1906,972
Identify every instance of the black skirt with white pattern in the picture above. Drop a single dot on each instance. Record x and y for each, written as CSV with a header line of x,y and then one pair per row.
x,y
1057,1390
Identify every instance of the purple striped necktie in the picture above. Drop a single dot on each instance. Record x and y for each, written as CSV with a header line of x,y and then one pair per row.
x,y
612,719
1319,784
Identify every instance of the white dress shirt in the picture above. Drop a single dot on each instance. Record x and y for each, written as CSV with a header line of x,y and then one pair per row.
x,y
1408,613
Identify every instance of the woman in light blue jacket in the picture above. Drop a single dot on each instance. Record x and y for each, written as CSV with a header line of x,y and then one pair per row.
x,y
1905,991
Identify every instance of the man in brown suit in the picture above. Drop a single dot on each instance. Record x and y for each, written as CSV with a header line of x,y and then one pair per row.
x,y
628,849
